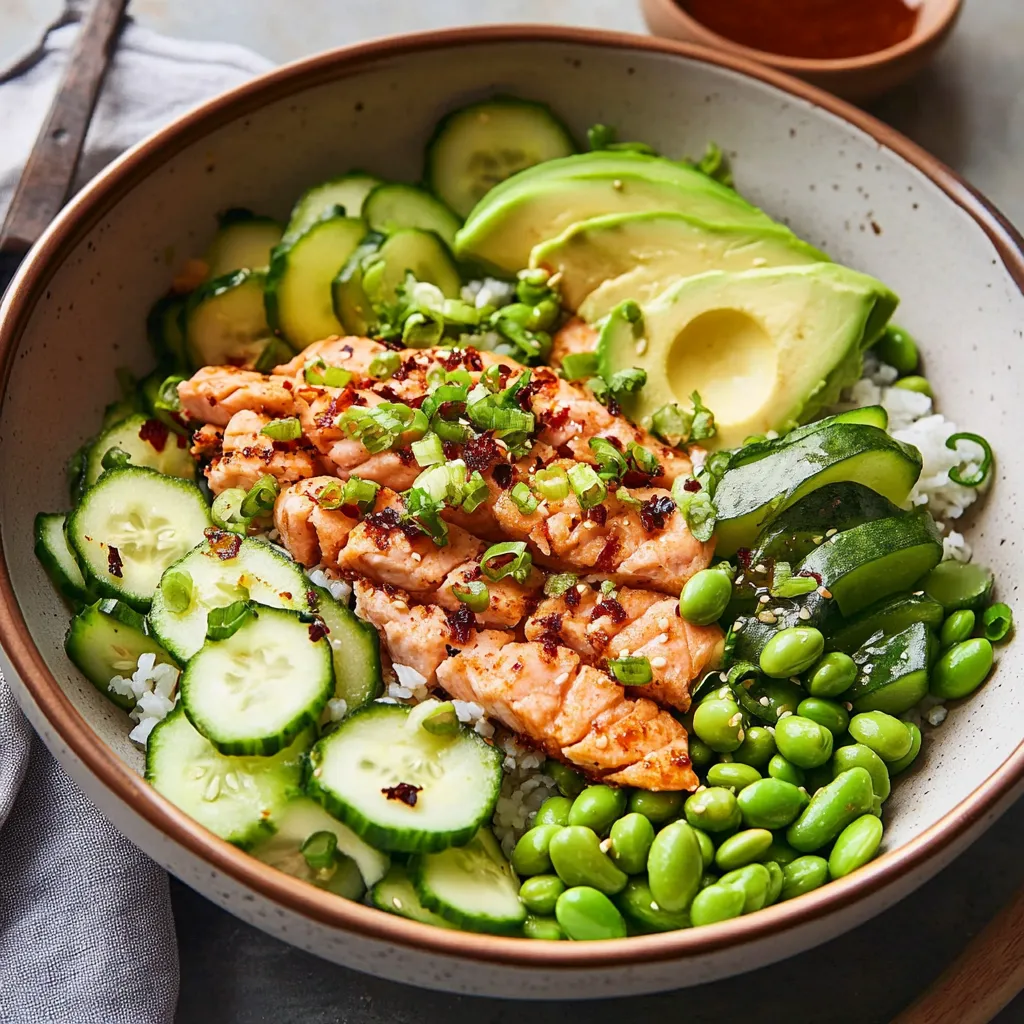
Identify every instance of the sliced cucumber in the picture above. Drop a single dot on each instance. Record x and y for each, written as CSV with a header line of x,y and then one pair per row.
x,y
236,798
473,886
234,569
395,894
225,322
148,443
355,647
402,788
303,818
57,557
130,526
876,559
958,585
890,616
893,674
106,640
298,294
243,242
411,251
392,207
254,692
166,333
349,301
752,494
348,191
479,146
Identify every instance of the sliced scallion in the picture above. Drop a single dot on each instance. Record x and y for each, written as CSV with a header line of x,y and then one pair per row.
x,y
259,499
579,365
997,622
475,493
589,488
631,671
645,462
474,595
424,511
671,424
287,429
177,589
384,366
227,511
320,850
222,623
428,451
559,584
442,721
981,475
509,558
115,458
611,463
552,484
524,499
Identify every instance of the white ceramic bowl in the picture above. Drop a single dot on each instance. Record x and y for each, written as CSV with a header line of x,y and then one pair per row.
x,y
843,181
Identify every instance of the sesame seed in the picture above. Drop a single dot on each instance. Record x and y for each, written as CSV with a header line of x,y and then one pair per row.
x,y
588,525
400,605
760,568
601,742
785,714
817,540
847,705
764,702
824,592
661,638
397,903
581,588
659,662
736,719
563,678
740,579
724,676
641,346
617,185
831,533
764,599
804,614
740,735
624,653
416,556
767,618
738,626
918,593
662,624
605,845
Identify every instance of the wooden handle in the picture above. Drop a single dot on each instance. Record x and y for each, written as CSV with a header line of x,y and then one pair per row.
x,y
982,980
48,176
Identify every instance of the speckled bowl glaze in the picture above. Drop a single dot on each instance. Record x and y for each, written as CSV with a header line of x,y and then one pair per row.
x,y
843,181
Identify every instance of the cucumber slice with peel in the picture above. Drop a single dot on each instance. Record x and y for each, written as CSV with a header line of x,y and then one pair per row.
x,y
254,692
890,616
893,671
148,443
243,242
348,191
355,648
411,251
473,886
392,207
57,557
225,321
401,787
166,333
395,894
957,585
348,299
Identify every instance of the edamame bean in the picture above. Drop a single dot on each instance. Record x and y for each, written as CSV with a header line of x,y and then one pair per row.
x,y
832,808
719,723
540,894
780,852
705,597
780,768
827,713
732,775
713,810
542,928
657,808
570,783
631,837
858,755
897,348
743,848
675,866
817,778
775,880
531,856
717,903
771,803
584,913
577,858
886,736
915,383
757,747
707,847
597,807
957,628
701,755
782,695
753,881
895,767
833,675
791,651
856,845
637,903
803,875
803,742
961,669
554,811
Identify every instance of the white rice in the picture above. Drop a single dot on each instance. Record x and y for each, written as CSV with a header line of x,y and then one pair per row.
x,y
155,690
340,590
488,292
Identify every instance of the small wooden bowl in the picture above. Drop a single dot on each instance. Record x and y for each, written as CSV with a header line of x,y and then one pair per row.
x,y
853,78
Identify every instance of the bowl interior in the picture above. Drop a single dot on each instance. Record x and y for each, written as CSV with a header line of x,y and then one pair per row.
x,y
836,185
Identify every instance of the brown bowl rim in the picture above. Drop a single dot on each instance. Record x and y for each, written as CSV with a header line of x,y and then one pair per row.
x,y
814,65
81,216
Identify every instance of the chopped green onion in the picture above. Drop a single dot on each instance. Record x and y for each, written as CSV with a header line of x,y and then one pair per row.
x,y
560,584
115,458
607,587
978,478
631,671
524,499
491,378
786,584
442,721
274,353
356,492
474,595
552,484
450,430
384,366
444,483
167,397
645,462
287,429
627,382
428,451
317,372
703,424
384,426
445,394
512,559
260,498
671,424
320,850
600,136
421,330
475,493
611,463
459,376
589,488
699,512
997,622
222,623
579,365
627,498
488,414
424,511
715,164
227,511
177,589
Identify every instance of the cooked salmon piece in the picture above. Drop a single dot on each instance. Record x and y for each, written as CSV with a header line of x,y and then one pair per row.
x,y
573,337
311,534
215,393
347,353
510,602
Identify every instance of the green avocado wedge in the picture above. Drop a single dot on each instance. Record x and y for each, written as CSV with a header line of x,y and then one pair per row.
x,y
543,201
606,260
765,349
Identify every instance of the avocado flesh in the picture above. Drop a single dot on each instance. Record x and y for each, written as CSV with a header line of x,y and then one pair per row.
x,y
766,349
606,260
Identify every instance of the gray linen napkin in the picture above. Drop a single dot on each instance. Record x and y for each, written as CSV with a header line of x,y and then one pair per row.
x,y
86,933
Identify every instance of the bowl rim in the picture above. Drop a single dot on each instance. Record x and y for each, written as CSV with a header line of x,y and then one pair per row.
x,y
875,60
103,193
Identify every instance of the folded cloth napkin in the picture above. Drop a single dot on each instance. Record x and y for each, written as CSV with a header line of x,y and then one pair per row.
x,y
86,933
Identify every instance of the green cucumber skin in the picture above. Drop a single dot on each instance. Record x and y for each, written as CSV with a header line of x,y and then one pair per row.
x,y
163,328
71,590
396,887
892,660
211,290
890,615
346,685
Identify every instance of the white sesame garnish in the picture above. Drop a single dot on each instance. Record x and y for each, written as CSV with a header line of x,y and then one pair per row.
x,y
736,719
601,742
416,556
624,653
661,638
785,714
563,678
659,662
847,705
617,185
662,624
767,618
831,533
588,525
760,568
738,626
817,540
764,599
804,614
605,845
764,702
399,605
641,346
581,588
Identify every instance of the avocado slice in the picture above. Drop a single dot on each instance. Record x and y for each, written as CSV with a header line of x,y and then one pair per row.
x,y
543,201
606,260
766,349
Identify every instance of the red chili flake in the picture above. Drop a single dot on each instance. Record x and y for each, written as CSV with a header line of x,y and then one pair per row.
x,y
313,598
450,449
555,419
451,651
474,572
404,791
405,456
610,607
380,524
813,575
654,512
597,514
451,410
572,598
155,432
224,544
287,385
114,564
407,367
743,556
388,392
606,560
182,440
318,630
480,453
503,475
692,485
461,621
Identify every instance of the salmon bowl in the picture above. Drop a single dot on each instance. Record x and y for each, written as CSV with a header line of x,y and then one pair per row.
x,y
563,548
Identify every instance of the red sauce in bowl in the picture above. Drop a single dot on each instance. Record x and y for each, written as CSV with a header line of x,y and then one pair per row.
x,y
816,29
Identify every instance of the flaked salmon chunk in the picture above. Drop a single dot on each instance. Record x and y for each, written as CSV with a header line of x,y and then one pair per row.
x,y
350,353
215,393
